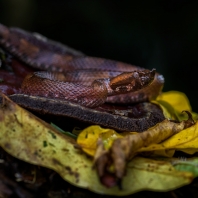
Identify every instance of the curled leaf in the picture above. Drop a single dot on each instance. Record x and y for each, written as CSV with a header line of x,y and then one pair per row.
x,y
124,149
186,140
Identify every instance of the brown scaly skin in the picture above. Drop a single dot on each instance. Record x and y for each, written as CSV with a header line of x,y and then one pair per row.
x,y
124,83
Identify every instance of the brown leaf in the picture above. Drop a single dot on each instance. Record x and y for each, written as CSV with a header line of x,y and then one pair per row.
x,y
124,149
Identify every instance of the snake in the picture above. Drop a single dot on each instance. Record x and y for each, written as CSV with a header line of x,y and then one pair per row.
x,y
70,83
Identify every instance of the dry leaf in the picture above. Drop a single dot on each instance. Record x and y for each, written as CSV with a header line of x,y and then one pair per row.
x,y
186,140
124,149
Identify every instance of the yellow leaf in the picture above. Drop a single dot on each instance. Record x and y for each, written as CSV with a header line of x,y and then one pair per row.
x,y
168,110
88,138
173,103
176,99
149,174
29,138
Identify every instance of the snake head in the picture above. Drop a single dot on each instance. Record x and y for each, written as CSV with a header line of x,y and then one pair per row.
x,y
132,81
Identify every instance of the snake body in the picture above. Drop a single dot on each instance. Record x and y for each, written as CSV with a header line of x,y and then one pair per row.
x,y
72,79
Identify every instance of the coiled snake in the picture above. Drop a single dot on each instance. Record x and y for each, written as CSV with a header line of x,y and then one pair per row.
x,y
76,85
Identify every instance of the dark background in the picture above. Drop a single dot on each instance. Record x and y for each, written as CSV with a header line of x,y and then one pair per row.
x,y
152,34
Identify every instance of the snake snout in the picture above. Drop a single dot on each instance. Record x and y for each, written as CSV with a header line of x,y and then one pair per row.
x,y
146,77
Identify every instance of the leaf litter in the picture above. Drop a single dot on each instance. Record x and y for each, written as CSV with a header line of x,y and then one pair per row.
x,y
30,139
